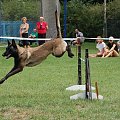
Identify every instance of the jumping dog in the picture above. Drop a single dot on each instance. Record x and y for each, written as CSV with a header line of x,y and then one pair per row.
x,y
33,56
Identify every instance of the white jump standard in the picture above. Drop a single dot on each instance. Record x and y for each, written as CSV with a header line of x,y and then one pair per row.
x,y
87,88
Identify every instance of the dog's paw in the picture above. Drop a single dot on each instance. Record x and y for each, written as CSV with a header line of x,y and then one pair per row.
x,y
71,55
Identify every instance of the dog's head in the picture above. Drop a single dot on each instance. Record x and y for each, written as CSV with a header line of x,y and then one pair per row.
x,y
11,50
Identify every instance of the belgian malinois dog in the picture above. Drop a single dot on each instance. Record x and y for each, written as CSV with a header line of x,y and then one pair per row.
x,y
33,56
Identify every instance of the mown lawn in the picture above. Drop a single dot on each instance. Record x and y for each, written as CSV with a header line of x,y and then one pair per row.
x,y
38,93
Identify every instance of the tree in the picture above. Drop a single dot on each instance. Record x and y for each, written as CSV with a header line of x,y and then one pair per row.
x,y
49,8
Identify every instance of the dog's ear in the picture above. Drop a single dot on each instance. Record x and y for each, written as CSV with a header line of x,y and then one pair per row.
x,y
9,43
14,44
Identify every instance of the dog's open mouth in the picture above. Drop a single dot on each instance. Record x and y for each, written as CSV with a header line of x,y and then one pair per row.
x,y
8,56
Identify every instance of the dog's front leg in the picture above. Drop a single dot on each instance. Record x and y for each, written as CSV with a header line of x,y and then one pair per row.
x,y
68,49
12,72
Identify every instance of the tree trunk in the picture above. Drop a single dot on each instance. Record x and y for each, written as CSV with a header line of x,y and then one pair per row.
x,y
48,11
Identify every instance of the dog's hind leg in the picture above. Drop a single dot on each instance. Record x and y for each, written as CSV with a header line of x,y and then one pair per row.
x,y
68,49
12,72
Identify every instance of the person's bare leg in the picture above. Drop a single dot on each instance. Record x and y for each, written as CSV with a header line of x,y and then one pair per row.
x,y
92,55
99,54
115,53
109,54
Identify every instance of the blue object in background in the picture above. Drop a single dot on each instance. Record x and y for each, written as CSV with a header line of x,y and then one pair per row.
x,y
65,18
11,28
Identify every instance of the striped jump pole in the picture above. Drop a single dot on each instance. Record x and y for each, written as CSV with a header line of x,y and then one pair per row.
x,y
86,74
88,91
79,40
79,65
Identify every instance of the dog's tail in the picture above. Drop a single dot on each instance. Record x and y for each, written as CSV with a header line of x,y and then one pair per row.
x,y
59,35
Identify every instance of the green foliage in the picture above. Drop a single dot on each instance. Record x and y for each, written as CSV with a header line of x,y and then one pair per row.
x,y
15,9
113,18
88,18
113,10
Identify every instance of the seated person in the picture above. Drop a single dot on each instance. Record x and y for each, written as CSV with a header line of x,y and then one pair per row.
x,y
34,34
101,46
79,40
113,48
118,44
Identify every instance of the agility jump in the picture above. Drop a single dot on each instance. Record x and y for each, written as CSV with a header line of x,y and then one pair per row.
x,y
87,87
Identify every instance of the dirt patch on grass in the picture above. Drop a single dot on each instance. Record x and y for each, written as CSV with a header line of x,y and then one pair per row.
x,y
18,113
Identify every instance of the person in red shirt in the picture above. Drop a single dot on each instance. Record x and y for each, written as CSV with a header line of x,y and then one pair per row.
x,y
41,28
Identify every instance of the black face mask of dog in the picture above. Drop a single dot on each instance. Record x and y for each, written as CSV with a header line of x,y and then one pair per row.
x,y
11,50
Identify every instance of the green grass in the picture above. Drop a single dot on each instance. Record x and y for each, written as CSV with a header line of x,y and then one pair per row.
x,y
38,93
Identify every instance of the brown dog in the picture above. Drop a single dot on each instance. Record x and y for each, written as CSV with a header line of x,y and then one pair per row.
x,y
33,56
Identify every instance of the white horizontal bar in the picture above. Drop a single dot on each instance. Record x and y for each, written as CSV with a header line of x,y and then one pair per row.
x,y
71,39
102,38
19,38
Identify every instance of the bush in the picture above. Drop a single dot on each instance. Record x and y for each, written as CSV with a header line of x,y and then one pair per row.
x,y
88,18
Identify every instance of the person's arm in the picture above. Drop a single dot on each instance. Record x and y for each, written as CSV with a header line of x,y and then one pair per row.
x,y
113,47
105,51
20,32
36,27
81,34
46,26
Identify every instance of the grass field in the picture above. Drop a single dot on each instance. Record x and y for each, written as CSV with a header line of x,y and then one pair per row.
x,y
38,93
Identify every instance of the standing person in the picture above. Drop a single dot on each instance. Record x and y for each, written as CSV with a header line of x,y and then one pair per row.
x,y
42,28
113,48
24,27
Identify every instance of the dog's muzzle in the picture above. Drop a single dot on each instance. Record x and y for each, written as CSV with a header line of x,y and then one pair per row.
x,y
7,56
